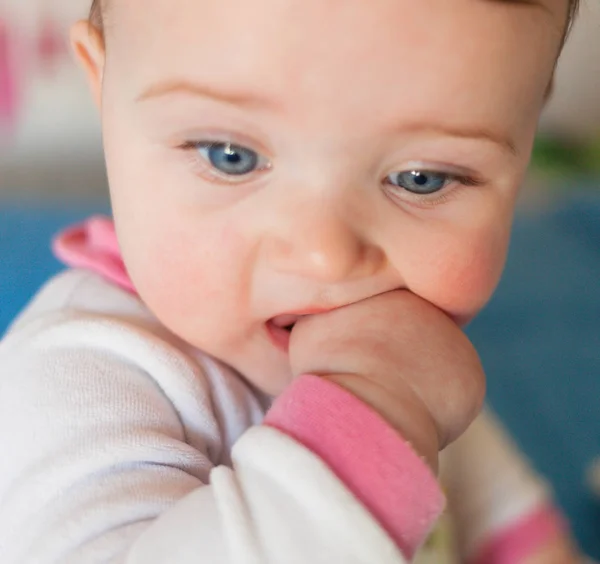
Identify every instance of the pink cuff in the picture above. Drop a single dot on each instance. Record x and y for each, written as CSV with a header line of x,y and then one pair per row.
x,y
368,455
523,538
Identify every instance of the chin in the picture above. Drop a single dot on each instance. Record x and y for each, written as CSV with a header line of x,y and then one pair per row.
x,y
268,373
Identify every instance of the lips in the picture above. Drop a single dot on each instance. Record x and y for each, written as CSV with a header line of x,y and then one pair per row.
x,y
286,321
280,327
280,335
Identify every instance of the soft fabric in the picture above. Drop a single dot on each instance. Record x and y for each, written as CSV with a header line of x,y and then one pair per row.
x,y
124,444
93,245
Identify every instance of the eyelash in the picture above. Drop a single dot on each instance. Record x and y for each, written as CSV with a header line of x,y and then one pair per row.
x,y
456,182
206,170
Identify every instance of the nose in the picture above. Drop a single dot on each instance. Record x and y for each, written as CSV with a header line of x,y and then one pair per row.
x,y
323,243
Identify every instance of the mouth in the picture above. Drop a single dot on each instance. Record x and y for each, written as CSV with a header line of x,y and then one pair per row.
x,y
280,330
280,327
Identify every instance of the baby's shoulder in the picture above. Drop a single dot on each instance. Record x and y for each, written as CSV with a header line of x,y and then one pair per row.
x,y
79,309
81,326
84,292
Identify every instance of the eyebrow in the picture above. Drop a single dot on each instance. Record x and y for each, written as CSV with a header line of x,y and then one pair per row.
x,y
459,132
256,101
233,98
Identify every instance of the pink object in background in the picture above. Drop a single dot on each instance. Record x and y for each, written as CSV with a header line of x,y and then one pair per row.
x,y
23,55
8,81
51,46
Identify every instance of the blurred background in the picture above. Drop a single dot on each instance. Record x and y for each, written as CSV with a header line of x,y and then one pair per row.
x,y
539,338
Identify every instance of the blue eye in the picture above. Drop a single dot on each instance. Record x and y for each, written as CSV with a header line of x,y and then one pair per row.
x,y
230,159
420,181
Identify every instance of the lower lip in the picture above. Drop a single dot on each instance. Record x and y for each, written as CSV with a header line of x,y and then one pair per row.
x,y
279,336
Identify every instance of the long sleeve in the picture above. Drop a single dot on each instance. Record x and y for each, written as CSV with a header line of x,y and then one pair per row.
x,y
121,445
502,508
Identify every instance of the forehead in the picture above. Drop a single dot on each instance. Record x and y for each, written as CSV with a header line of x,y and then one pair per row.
x,y
310,49
244,18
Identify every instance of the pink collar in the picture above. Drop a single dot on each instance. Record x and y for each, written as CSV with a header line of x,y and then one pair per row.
x,y
93,245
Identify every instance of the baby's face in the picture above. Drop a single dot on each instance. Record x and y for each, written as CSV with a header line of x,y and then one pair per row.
x,y
269,158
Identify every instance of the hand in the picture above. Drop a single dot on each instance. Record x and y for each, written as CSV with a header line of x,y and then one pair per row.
x,y
402,356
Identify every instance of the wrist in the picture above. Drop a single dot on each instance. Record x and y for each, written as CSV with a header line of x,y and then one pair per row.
x,y
405,412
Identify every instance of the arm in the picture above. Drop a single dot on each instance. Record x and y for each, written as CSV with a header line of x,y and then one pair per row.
x,y
502,508
109,438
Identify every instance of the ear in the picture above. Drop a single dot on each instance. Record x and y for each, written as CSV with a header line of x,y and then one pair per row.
x,y
87,42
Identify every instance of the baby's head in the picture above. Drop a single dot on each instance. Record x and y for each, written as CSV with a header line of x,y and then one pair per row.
x,y
275,157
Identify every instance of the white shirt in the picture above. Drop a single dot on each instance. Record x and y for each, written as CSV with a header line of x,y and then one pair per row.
x,y
121,444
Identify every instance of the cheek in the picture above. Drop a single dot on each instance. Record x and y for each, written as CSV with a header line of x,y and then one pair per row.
x,y
462,271
182,266
470,277
182,254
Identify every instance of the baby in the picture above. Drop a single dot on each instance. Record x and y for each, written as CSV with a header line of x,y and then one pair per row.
x,y
262,358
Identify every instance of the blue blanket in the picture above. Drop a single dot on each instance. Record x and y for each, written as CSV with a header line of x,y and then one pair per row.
x,y
539,338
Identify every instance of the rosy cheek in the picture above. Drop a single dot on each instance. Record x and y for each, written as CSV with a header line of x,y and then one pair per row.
x,y
161,273
469,271
181,270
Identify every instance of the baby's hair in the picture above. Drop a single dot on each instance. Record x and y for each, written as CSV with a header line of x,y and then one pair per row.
x,y
96,14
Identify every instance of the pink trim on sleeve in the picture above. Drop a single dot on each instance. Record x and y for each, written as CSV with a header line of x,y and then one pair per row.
x,y
93,245
522,538
375,463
